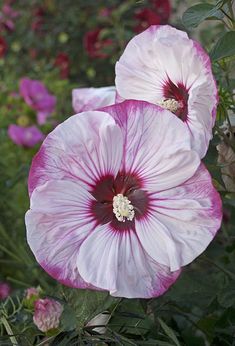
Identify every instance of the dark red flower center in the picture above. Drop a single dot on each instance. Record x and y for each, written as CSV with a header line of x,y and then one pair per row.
x,y
179,93
130,186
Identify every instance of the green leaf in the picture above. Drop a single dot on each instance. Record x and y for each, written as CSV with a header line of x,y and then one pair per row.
x,y
68,319
86,304
130,318
225,47
226,297
194,15
169,332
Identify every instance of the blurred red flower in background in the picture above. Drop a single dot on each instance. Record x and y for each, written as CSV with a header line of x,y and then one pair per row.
x,y
62,61
157,13
3,47
95,45
38,19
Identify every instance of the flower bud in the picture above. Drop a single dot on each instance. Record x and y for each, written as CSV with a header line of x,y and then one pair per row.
x,y
47,314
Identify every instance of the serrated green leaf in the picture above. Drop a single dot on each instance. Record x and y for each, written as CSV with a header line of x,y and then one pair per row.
x,y
169,332
225,47
194,15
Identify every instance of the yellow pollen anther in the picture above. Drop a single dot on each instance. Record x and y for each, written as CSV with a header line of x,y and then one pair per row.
x,y
122,208
171,104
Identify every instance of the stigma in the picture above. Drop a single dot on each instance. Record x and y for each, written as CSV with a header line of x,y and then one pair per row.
x,y
122,208
170,104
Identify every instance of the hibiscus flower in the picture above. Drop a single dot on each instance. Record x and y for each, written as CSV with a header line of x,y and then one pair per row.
x,y
163,66
116,204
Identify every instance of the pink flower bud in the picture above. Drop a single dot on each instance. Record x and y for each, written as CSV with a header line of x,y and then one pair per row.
x,y
47,314
5,290
31,292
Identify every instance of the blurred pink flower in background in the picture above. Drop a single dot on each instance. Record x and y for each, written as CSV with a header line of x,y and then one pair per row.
x,y
25,136
95,46
47,314
3,47
5,290
87,99
119,201
7,17
36,95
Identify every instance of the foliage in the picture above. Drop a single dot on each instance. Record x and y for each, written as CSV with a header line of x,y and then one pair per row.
x,y
200,308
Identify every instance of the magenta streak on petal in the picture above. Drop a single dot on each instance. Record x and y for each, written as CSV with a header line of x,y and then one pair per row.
x,y
107,187
166,283
180,93
55,272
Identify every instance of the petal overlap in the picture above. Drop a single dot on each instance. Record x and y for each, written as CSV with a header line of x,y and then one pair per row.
x,y
156,145
121,266
182,221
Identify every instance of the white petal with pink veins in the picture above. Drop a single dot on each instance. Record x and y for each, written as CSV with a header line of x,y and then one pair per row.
x,y
156,145
57,223
88,99
116,261
73,152
182,221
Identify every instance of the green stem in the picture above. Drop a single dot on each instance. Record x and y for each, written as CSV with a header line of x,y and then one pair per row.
x,y
45,341
9,331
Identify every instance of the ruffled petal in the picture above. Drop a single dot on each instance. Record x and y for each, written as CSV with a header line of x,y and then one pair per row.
x,y
163,53
116,261
88,99
156,145
182,221
57,223
84,147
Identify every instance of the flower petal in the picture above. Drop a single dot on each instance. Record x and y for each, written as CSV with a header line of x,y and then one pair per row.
x,y
57,223
119,264
182,221
87,99
156,147
84,147
163,53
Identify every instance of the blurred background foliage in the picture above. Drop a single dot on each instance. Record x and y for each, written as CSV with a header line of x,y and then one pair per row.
x,y
69,44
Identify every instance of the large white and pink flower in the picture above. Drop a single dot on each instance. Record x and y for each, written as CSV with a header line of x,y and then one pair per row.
x,y
87,99
116,204
163,66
